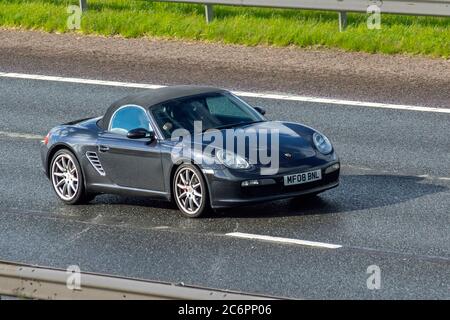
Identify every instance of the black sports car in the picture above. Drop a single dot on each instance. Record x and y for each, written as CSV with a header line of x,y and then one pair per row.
x,y
200,147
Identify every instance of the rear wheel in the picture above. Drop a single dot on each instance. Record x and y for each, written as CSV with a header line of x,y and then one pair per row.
x,y
190,191
67,178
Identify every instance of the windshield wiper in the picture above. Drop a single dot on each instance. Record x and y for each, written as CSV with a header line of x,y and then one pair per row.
x,y
252,122
232,125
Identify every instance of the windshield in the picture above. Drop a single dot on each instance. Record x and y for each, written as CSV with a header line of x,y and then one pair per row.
x,y
214,111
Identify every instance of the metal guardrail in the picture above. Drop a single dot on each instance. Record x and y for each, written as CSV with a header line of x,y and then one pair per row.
x,y
408,7
24,281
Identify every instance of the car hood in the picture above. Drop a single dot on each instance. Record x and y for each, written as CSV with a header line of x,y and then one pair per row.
x,y
291,141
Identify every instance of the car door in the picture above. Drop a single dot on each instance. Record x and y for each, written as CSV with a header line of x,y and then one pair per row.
x,y
128,162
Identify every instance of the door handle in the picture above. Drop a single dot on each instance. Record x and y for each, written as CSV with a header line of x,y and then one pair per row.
x,y
103,148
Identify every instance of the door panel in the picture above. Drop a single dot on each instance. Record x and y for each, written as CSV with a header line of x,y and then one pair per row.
x,y
131,163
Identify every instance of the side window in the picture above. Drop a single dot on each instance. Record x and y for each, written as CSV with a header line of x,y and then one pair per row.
x,y
222,106
129,118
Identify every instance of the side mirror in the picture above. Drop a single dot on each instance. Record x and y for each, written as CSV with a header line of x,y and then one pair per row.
x,y
260,110
141,133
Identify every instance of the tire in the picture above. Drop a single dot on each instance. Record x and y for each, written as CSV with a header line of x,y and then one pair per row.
x,y
67,179
190,191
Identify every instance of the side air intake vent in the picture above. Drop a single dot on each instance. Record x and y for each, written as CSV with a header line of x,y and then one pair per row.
x,y
93,159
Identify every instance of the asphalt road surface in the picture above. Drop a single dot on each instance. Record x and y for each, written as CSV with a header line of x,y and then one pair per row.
x,y
391,209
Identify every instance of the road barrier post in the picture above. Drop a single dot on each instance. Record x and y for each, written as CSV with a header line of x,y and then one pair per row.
x,y
342,21
209,12
83,5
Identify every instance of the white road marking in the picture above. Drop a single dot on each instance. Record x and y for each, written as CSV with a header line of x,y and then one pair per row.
x,y
287,97
341,102
426,176
283,240
423,176
21,135
161,227
79,80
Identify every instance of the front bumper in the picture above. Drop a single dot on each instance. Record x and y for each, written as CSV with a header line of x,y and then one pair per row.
x,y
44,154
226,190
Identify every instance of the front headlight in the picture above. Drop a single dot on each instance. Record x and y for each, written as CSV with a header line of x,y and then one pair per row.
x,y
322,143
232,160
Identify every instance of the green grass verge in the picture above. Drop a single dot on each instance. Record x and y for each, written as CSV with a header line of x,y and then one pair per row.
x,y
249,26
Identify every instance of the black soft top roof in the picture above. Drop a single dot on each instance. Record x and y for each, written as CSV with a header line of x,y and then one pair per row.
x,y
153,97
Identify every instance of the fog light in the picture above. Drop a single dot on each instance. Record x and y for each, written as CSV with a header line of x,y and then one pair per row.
x,y
332,168
250,183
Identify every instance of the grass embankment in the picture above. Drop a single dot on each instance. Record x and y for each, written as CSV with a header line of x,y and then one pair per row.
x,y
249,26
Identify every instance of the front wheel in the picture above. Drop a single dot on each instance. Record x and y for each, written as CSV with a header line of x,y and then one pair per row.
x,y
190,191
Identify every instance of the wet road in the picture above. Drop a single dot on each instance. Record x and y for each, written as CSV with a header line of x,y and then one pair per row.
x,y
391,210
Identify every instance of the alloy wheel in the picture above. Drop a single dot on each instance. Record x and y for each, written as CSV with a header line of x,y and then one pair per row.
x,y
188,191
65,177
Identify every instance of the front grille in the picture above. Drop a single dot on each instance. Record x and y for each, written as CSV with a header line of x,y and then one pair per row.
x,y
95,161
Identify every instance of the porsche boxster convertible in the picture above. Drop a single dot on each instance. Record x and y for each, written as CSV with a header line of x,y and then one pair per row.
x,y
200,147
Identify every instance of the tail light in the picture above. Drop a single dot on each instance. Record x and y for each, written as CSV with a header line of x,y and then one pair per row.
x,y
45,141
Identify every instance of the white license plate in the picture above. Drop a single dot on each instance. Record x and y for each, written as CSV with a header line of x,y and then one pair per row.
x,y
303,177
